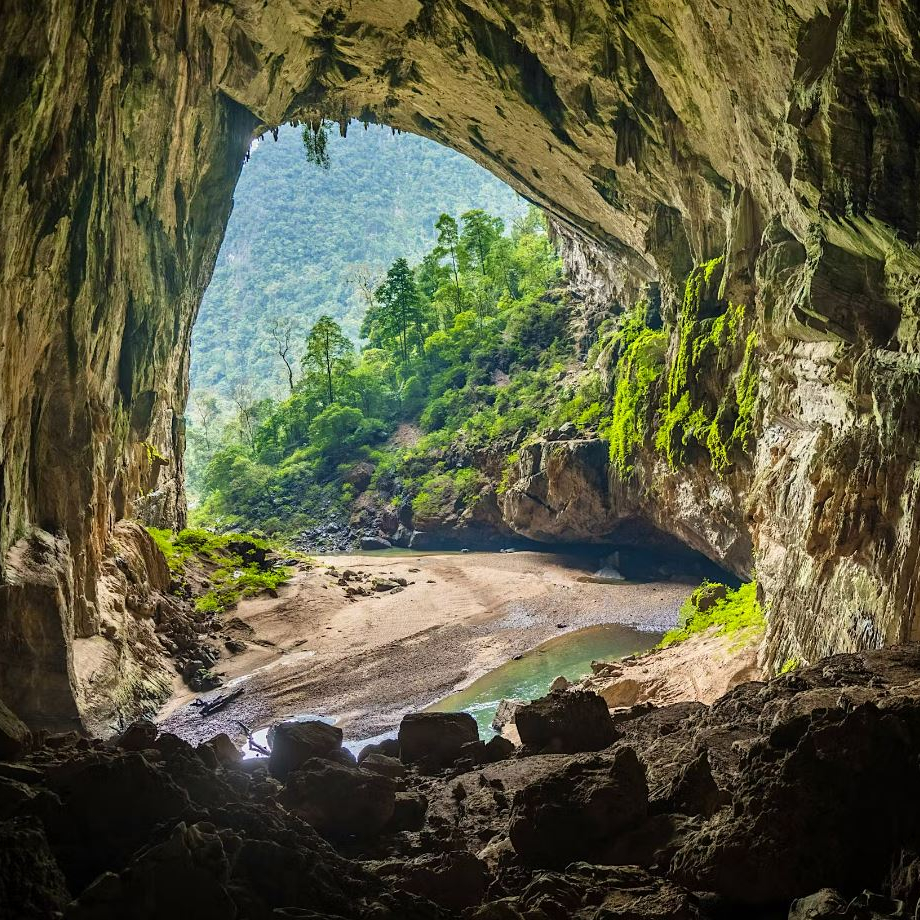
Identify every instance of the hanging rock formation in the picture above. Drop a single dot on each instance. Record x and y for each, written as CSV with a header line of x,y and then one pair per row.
x,y
659,136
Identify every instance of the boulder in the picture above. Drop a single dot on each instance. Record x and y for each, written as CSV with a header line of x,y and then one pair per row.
x,y
832,774
498,748
585,892
31,884
340,801
409,812
565,722
693,790
576,811
456,880
385,766
15,738
503,722
138,736
293,743
107,806
184,876
389,747
825,904
224,750
372,543
433,740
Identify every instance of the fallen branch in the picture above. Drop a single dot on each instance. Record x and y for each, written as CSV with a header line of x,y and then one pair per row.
x,y
216,705
253,744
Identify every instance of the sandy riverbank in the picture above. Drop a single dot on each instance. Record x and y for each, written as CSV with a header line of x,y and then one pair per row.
x,y
366,661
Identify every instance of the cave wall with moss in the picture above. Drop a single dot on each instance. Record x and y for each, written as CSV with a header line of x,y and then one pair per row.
x,y
658,135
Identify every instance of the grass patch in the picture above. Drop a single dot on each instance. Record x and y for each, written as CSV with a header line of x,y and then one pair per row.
x,y
715,606
219,556
232,586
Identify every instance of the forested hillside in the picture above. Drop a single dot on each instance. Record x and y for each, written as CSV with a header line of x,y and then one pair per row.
x,y
464,352
305,241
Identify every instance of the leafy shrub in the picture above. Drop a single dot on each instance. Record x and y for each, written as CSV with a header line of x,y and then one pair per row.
x,y
738,612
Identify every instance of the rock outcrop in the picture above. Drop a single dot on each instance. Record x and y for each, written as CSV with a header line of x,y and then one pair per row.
x,y
781,799
658,136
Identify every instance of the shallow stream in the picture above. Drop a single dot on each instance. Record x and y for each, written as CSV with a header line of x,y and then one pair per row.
x,y
529,676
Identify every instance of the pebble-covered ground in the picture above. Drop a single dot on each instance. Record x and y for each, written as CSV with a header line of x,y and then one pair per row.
x,y
366,659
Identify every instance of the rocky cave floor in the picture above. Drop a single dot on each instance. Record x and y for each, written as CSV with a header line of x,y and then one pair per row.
x,y
793,798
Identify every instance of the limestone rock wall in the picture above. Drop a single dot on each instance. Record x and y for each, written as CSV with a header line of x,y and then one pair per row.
x,y
659,134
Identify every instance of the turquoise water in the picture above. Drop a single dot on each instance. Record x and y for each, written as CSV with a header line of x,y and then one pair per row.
x,y
529,677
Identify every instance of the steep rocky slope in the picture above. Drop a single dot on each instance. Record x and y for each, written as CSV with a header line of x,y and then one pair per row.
x,y
659,135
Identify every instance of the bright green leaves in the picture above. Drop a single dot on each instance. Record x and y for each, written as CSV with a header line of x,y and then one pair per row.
x,y
638,372
698,407
724,611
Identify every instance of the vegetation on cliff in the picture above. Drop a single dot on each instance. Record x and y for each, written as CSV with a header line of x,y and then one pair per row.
x,y
698,406
704,398
226,567
466,347
724,610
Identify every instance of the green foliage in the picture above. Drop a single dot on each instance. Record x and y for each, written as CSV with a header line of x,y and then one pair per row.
x,y
442,494
789,665
737,613
708,343
302,242
328,355
638,372
230,586
315,137
232,578
470,345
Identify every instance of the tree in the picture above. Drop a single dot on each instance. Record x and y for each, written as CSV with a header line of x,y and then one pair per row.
x,y
282,333
206,413
246,411
397,314
316,143
478,234
366,280
329,353
448,243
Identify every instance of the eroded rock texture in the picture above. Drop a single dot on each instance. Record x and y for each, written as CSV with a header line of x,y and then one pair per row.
x,y
773,802
659,135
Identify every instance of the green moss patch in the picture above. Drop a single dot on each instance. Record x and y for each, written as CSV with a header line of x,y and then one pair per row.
x,y
233,565
727,611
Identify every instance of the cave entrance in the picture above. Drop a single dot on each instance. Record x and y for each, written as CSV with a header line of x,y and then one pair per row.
x,y
371,296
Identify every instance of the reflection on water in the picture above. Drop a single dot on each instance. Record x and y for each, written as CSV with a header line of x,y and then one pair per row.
x,y
529,677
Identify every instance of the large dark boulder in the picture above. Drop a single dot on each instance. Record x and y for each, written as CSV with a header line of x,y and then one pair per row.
x,y
340,801
138,736
31,884
294,743
184,876
14,736
822,801
434,740
585,892
577,811
565,722
104,808
456,880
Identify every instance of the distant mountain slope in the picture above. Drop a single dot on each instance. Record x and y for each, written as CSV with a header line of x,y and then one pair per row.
x,y
300,236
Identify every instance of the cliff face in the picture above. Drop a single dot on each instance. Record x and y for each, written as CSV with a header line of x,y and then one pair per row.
x,y
659,136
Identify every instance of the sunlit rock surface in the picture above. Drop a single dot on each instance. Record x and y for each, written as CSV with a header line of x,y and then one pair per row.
x,y
658,135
